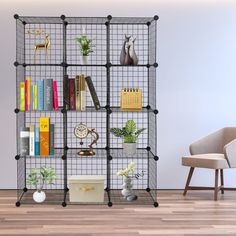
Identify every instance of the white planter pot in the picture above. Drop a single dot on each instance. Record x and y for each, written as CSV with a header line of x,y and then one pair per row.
x,y
85,60
39,196
129,149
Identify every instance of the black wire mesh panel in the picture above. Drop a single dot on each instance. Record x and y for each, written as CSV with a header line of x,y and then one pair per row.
x,y
152,88
118,120
152,178
20,42
152,135
128,77
117,37
95,32
140,184
98,76
95,120
54,192
152,42
41,33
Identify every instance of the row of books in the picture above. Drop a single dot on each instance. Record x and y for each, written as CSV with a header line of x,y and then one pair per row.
x,y
37,140
75,92
40,96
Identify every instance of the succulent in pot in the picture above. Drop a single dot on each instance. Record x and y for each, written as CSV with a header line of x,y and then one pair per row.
x,y
38,178
129,134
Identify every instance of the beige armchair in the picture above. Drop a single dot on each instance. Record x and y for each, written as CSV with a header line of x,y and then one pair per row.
x,y
216,151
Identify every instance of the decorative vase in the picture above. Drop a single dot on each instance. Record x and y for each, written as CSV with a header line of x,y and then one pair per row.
x,y
39,196
127,186
85,59
129,149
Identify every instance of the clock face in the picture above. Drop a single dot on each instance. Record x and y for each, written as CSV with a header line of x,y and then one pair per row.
x,y
81,131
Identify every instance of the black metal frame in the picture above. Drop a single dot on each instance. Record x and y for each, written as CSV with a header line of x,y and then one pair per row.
x,y
109,155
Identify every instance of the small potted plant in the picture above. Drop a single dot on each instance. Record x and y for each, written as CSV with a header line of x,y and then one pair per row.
x,y
129,134
85,48
38,178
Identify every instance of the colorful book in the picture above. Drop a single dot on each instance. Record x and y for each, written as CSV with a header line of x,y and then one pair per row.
x,y
51,148
22,96
93,93
24,141
26,95
35,97
48,94
77,93
44,135
37,141
82,89
55,95
32,97
66,100
72,93
32,140
28,92
40,95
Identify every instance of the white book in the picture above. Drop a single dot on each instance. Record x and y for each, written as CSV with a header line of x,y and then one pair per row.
x,y
32,140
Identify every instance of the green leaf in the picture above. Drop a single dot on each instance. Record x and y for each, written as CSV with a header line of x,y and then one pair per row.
x,y
137,133
117,132
130,126
130,139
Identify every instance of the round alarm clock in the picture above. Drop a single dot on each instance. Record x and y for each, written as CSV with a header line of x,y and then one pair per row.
x,y
81,131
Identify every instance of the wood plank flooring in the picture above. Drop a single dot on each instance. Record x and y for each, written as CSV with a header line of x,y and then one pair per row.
x,y
194,214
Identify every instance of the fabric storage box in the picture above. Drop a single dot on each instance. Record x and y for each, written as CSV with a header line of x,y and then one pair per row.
x,y
86,188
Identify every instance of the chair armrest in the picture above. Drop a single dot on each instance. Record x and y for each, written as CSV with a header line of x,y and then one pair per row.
x,y
230,153
212,143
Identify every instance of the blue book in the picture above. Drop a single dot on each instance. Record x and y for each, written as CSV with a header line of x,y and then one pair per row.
x,y
37,142
40,95
32,97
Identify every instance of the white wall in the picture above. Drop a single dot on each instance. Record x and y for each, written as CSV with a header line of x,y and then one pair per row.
x,y
196,77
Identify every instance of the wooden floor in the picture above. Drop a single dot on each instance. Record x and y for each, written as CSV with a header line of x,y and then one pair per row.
x,y
195,214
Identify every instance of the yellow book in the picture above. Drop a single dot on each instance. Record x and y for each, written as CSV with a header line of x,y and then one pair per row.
x,y
22,96
44,125
35,97
28,78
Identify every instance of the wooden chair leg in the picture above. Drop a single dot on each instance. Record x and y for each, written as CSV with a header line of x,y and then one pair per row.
x,y
216,184
188,180
222,180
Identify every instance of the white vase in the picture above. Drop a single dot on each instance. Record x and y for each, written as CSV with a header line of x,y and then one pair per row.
x,y
129,149
39,196
85,60
127,187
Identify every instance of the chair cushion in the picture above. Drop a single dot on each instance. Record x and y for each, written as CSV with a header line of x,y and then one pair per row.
x,y
210,160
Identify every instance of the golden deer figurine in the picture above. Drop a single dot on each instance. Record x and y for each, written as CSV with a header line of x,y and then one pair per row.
x,y
45,46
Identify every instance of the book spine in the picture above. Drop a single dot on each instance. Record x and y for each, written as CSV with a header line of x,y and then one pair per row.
x,y
82,93
55,95
35,97
51,148
93,92
40,94
44,136
24,141
26,95
37,140
32,140
31,97
29,93
22,96
48,94
66,100
72,93
77,93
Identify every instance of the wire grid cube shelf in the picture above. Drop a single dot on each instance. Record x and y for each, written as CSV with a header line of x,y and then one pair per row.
x,y
63,57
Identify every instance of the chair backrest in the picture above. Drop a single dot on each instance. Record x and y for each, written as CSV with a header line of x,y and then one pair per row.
x,y
229,134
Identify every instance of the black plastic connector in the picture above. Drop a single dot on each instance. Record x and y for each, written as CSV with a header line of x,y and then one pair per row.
x,y
148,65
107,189
107,107
63,17
156,158
63,110
155,204
17,157
67,189
25,189
16,64
24,22
148,190
110,204
148,107
66,148
65,23
63,157
17,110
107,148
107,23
148,23
156,17
64,204
109,157
109,17
109,111
155,65
24,65
148,148
64,64
155,111
81,143
108,65
17,204
16,16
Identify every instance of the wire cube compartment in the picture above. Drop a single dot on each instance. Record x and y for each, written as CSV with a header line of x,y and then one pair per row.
x,y
62,57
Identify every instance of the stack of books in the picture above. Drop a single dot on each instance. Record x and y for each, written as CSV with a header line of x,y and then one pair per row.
x,y
36,140
75,92
40,96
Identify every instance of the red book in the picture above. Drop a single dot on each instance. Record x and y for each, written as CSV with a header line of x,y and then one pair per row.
x,y
72,93
55,95
26,95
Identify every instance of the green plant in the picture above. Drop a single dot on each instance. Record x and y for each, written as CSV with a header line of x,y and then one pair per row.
x,y
128,133
39,177
85,45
